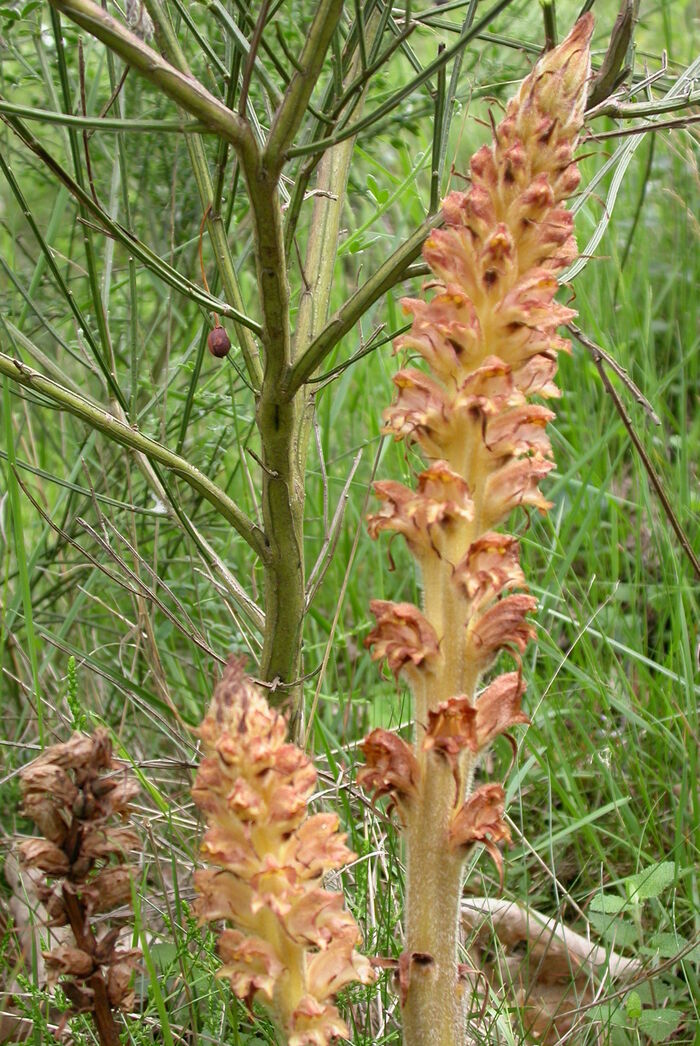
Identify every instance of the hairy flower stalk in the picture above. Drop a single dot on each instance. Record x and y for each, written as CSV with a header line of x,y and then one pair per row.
x,y
489,339
74,792
292,944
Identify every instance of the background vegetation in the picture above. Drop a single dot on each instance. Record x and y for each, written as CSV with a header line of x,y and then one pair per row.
x,y
116,611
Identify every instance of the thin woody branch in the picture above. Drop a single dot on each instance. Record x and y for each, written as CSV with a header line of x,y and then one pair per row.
x,y
170,46
138,248
600,358
296,97
104,422
386,277
184,90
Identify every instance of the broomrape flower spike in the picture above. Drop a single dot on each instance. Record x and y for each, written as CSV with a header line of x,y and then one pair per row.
x,y
73,793
489,340
291,945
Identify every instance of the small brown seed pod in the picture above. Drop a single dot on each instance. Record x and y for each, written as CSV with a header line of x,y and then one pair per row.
x,y
219,342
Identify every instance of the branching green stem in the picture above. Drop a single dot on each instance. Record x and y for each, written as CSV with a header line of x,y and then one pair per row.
x,y
386,276
127,436
184,90
296,98
170,46
629,110
139,249
351,130
103,123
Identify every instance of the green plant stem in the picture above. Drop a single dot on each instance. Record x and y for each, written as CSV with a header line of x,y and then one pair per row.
x,y
122,433
386,276
20,553
90,339
104,123
241,44
320,257
351,130
631,110
184,90
322,246
279,419
604,82
282,463
139,249
549,16
281,546
296,97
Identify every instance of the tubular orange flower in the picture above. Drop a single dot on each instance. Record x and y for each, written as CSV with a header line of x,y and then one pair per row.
x,y
402,636
292,944
489,338
390,767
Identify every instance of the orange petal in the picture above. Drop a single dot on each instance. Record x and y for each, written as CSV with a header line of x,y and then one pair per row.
x,y
518,431
222,895
403,636
421,409
451,727
425,517
490,566
516,484
534,377
338,965
488,389
318,846
504,625
445,331
319,917
315,1025
480,820
498,707
391,766
480,815
250,964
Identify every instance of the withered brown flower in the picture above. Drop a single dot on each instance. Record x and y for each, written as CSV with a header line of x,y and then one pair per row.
x,y
390,767
402,636
74,792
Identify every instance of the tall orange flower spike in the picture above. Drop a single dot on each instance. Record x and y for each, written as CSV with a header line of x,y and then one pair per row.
x,y
291,944
489,340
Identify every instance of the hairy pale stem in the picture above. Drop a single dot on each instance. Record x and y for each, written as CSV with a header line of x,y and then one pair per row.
x,y
434,1008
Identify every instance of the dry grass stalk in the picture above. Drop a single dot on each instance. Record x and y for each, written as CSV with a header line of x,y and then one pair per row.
x,y
548,970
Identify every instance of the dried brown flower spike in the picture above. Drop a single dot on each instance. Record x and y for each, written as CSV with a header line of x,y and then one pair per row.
x,y
74,792
292,944
489,339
